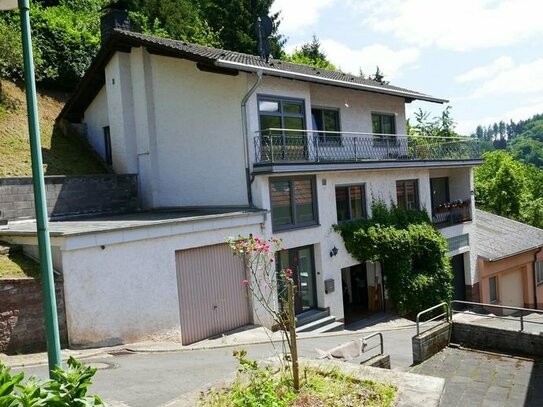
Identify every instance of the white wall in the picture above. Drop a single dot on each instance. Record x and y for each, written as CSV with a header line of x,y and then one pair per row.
x,y
96,118
200,148
121,292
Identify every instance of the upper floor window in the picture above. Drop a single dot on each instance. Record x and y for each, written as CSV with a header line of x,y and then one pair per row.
x,y
293,202
384,123
539,272
407,194
326,120
350,202
281,113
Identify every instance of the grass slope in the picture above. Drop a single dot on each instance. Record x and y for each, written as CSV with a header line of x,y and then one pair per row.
x,y
61,155
17,265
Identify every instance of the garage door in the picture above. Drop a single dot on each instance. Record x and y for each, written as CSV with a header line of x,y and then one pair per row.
x,y
511,289
212,298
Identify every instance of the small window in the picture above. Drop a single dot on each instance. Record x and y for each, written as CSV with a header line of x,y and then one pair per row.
x,y
493,289
384,124
407,194
350,202
293,203
326,120
107,146
539,272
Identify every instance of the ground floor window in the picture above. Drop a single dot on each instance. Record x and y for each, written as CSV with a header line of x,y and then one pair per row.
x,y
350,202
539,272
407,194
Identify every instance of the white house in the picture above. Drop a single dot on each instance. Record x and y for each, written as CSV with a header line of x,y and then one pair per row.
x,y
245,146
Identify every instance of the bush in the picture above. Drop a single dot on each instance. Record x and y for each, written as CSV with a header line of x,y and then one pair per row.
x,y
67,388
413,256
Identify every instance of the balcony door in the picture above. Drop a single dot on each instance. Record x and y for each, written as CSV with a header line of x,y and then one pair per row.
x,y
289,143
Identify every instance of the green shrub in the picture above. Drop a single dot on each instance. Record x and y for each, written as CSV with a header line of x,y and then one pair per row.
x,y
67,388
413,256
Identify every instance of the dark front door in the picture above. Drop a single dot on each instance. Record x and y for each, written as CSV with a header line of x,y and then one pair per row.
x,y
300,260
459,281
359,283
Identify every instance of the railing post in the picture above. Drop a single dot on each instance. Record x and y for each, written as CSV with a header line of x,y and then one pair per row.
x,y
317,147
271,147
355,150
388,153
521,321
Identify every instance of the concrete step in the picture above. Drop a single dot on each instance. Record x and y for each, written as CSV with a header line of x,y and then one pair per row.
x,y
332,327
311,316
312,326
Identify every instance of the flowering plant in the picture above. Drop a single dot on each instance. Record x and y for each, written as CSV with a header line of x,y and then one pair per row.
x,y
267,285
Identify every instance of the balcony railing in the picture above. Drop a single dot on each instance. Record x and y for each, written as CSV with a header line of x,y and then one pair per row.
x,y
452,213
290,146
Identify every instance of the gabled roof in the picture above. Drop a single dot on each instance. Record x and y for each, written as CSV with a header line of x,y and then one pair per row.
x,y
217,60
498,237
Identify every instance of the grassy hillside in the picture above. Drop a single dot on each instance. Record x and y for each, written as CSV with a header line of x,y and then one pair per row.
x,y
61,155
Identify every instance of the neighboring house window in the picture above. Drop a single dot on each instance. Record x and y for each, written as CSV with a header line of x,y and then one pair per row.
x,y
383,123
539,272
293,203
107,146
493,289
407,193
277,113
326,120
350,202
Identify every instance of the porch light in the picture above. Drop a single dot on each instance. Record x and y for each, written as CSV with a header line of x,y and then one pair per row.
x,y
44,244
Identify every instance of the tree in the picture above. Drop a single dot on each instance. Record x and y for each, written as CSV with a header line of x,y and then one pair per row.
x,y
311,53
436,126
378,76
479,132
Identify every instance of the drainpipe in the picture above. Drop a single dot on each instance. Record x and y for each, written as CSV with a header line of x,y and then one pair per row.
x,y
535,277
246,136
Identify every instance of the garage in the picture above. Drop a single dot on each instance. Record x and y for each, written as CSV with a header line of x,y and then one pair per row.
x,y
212,298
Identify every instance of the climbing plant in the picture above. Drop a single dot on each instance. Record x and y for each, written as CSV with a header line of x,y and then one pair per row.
x,y
413,255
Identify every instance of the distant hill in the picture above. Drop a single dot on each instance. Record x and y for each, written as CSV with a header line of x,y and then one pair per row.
x,y
524,139
61,155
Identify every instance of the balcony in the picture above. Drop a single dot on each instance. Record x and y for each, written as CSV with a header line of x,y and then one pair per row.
x,y
451,213
285,146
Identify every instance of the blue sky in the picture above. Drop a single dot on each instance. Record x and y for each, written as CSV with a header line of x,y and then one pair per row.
x,y
485,56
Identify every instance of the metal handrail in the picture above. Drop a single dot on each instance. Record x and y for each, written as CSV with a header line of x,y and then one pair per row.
x,y
520,309
381,343
446,314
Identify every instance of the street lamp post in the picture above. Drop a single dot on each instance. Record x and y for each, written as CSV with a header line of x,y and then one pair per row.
x,y
44,244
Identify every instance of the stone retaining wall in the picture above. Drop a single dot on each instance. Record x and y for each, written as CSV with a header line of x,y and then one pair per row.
x,y
22,324
70,195
430,342
497,339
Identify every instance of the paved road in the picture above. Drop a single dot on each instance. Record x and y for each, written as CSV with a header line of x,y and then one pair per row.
x,y
152,379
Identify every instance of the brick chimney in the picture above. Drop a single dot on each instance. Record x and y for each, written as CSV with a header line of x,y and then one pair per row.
x,y
114,16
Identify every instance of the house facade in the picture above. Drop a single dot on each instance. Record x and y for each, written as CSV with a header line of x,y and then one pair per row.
x,y
282,149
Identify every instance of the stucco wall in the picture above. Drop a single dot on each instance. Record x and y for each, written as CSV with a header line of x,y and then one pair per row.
x,y
199,135
121,291
379,185
96,118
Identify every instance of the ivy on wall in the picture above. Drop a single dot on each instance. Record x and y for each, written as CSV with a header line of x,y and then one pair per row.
x,y
413,255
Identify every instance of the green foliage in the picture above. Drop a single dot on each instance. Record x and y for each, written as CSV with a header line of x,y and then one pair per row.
x,y
68,388
437,126
413,255
510,188
311,54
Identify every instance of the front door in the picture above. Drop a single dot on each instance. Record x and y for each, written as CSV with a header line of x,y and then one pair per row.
x,y
459,281
300,260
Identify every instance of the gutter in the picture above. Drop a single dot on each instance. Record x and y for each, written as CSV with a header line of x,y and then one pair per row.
x,y
245,131
311,78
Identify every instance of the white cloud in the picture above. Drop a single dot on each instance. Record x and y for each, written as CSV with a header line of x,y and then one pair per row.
x,y
459,25
483,72
297,15
535,106
522,79
351,60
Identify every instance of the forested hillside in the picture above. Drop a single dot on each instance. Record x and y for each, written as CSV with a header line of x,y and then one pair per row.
x,y
524,139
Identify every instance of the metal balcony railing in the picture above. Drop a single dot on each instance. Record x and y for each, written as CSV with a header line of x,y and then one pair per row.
x,y
452,213
286,146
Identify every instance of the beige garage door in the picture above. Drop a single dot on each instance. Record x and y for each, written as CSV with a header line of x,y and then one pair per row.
x,y
212,298
511,289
